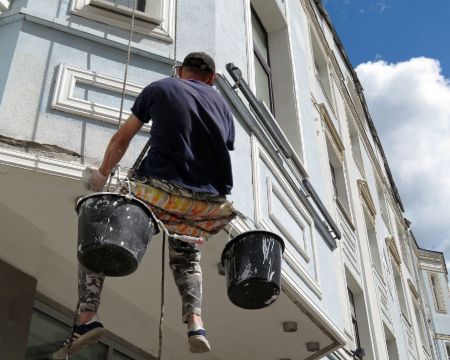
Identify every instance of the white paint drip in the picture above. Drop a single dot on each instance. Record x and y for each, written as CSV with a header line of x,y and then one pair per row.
x,y
267,248
246,273
271,299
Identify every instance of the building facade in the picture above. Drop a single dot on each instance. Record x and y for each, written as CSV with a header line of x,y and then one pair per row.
x,y
308,165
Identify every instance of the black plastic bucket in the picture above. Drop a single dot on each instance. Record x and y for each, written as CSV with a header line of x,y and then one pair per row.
x,y
113,232
252,262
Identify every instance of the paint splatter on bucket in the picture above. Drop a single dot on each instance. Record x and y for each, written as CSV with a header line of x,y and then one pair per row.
x,y
114,231
252,262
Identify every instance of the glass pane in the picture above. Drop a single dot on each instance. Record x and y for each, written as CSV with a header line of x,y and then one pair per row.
x,y
262,83
260,37
119,356
140,4
47,334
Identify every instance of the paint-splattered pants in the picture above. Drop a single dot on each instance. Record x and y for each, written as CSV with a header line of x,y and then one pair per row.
x,y
185,265
183,212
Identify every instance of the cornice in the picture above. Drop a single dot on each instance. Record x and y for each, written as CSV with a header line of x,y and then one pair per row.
x,y
442,337
431,262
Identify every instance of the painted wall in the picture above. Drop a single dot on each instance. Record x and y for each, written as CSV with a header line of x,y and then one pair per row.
x,y
8,39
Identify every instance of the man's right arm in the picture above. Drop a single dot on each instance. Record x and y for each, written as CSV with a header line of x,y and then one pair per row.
x,y
119,143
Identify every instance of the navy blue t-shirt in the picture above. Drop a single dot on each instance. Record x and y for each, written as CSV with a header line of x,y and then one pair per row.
x,y
192,132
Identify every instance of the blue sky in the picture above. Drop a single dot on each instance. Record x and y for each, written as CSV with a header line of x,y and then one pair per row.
x,y
395,30
401,52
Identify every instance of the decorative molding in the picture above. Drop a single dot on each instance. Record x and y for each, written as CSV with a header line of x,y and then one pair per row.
x,y
160,26
332,132
259,156
438,293
442,337
367,198
64,99
38,163
272,190
393,252
431,262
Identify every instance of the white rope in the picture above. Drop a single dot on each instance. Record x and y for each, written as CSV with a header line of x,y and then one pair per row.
x,y
161,316
126,64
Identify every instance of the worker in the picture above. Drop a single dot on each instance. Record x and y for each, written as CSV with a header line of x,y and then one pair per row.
x,y
184,178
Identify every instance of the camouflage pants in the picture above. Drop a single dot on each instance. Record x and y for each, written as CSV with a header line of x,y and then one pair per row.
x,y
185,265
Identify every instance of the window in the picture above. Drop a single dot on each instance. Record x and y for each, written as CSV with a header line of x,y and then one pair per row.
x,y
321,69
355,329
404,245
46,335
391,344
373,244
333,180
400,292
358,317
337,176
263,77
271,68
420,324
439,300
356,145
447,347
355,98
152,17
383,204
49,328
144,9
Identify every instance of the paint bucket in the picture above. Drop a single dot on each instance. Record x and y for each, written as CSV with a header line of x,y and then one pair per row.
x,y
113,232
252,262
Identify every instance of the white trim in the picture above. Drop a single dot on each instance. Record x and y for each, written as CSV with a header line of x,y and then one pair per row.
x,y
64,99
296,89
259,155
165,30
22,160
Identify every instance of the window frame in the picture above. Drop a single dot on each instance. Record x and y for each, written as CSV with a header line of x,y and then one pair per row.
x,y
436,290
161,27
447,348
320,56
354,320
333,180
258,56
128,10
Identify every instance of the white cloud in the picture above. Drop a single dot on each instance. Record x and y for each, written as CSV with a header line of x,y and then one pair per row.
x,y
410,105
